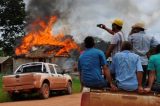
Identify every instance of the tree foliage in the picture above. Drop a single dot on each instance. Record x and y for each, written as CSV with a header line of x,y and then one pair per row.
x,y
12,15
99,44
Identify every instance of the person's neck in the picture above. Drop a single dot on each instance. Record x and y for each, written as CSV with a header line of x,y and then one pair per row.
x,y
125,50
115,31
157,53
90,48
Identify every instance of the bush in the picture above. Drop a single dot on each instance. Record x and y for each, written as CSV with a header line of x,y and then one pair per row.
x,y
3,95
76,85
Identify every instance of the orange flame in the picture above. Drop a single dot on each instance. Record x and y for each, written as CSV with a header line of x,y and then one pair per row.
x,y
44,36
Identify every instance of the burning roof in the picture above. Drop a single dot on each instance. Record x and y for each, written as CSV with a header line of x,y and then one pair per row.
x,y
43,41
45,51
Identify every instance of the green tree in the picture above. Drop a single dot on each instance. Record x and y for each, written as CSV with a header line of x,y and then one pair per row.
x,y
12,15
1,52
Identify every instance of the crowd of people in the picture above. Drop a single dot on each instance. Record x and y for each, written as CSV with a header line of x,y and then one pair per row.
x,y
135,61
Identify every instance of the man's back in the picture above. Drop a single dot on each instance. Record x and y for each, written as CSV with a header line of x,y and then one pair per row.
x,y
154,64
117,39
142,44
125,65
90,63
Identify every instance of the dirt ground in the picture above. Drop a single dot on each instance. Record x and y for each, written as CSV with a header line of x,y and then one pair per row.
x,y
65,100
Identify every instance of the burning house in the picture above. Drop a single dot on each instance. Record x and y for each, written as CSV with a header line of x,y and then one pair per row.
x,y
41,45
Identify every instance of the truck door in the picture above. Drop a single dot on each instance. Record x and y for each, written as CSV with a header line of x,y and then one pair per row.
x,y
54,77
61,79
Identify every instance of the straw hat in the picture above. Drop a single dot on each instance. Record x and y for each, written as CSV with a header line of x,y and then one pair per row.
x,y
139,25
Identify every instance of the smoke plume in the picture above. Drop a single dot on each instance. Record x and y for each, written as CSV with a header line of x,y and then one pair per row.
x,y
80,17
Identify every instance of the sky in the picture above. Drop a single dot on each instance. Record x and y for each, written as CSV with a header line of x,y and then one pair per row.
x,y
81,16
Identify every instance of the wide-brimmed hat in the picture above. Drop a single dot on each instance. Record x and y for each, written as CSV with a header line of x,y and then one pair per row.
x,y
139,25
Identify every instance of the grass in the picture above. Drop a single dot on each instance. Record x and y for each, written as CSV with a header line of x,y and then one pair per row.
x,y
4,97
76,85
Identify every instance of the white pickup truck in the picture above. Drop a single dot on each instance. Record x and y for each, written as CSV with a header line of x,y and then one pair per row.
x,y
37,77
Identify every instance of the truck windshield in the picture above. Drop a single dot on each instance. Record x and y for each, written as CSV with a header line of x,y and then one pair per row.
x,y
33,68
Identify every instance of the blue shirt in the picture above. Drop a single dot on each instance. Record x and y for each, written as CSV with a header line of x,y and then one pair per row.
x,y
125,65
141,44
89,65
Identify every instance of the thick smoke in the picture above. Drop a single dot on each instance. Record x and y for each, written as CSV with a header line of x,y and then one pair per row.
x,y
46,8
43,9
80,17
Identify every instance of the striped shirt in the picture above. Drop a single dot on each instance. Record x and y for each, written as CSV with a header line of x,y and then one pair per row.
x,y
141,44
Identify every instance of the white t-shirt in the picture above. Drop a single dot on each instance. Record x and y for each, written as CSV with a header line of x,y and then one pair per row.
x,y
117,39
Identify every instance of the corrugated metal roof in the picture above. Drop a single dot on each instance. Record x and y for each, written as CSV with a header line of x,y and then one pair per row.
x,y
3,59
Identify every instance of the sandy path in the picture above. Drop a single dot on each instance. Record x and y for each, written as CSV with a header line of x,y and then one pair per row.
x,y
66,100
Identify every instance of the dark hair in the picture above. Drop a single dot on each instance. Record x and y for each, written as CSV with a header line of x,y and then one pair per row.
x,y
117,27
126,46
89,42
136,30
142,29
158,48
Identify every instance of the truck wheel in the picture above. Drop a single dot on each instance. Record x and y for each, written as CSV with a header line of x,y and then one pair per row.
x,y
44,91
69,88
